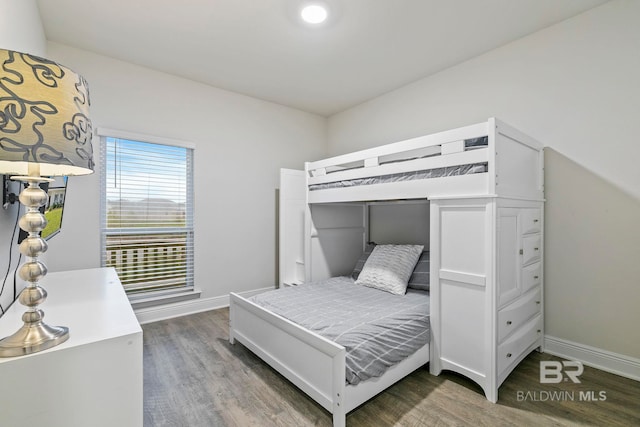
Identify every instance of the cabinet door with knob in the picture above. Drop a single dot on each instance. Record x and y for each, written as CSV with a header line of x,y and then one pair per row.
x,y
519,252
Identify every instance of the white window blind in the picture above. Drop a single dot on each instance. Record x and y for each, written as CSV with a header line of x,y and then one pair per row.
x,y
147,214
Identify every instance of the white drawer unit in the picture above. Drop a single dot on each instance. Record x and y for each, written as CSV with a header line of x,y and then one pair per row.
x,y
531,221
514,348
520,298
531,276
513,316
93,379
505,293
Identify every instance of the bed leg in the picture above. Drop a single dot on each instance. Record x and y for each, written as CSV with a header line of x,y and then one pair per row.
x,y
339,419
232,339
339,389
491,393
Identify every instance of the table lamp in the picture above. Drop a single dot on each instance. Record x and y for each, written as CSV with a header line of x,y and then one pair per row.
x,y
45,131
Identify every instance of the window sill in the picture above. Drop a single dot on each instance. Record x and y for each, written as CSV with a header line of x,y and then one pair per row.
x,y
144,301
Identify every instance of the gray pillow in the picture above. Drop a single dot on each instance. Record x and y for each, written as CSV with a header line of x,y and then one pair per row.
x,y
389,267
363,258
420,277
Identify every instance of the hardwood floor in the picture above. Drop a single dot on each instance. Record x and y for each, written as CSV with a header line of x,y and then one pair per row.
x,y
194,377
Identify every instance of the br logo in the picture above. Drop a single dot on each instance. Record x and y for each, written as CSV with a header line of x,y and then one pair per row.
x,y
554,372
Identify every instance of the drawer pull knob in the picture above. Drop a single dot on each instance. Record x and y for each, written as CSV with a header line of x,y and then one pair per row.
x,y
508,355
535,220
521,252
536,277
539,331
535,249
537,302
508,322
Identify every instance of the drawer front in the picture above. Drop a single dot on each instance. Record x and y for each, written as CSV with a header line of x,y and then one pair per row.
x,y
512,348
531,220
531,249
531,276
517,313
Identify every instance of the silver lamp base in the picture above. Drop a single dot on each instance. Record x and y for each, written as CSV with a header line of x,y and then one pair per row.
x,y
32,338
34,335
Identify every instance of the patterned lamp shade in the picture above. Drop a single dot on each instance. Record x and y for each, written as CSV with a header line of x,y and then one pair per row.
x,y
44,117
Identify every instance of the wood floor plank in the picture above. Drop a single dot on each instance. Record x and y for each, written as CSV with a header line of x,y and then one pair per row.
x,y
193,377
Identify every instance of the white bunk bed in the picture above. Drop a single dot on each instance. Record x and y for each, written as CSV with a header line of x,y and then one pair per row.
x,y
484,188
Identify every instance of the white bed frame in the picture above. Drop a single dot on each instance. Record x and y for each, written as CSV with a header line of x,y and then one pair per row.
x,y
311,362
488,217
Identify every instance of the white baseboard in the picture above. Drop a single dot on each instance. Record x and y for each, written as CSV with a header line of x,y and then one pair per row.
x,y
604,360
184,308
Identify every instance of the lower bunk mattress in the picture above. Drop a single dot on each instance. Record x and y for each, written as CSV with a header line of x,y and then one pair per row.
x,y
378,329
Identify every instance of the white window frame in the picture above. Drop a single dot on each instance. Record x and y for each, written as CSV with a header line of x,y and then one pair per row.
x,y
165,295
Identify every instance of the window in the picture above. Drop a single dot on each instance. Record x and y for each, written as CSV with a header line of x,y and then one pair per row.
x,y
147,213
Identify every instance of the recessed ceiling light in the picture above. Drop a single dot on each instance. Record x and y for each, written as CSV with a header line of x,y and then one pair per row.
x,y
314,13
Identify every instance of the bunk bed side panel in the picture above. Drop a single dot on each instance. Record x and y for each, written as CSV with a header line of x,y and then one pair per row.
x,y
519,167
336,238
292,202
462,272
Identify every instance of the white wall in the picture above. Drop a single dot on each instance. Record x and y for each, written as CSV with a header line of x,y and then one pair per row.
x,y
241,143
20,30
573,86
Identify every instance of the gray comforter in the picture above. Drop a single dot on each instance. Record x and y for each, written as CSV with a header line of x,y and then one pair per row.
x,y
377,329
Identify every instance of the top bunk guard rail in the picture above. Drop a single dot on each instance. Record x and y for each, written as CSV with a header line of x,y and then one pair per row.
x,y
440,165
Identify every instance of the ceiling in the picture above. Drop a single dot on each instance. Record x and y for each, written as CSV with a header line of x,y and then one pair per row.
x,y
259,48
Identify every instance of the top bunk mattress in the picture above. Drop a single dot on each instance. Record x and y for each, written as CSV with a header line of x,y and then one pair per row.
x,y
440,172
377,329
405,176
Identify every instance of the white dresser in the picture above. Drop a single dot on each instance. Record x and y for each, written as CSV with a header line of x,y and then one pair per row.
x,y
487,309
93,379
